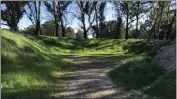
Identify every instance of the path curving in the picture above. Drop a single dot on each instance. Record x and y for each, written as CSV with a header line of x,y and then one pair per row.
x,y
90,81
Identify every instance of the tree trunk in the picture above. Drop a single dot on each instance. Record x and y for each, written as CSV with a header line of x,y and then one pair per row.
x,y
37,27
61,20
137,14
37,10
153,29
119,26
63,28
127,12
14,26
171,24
56,18
97,28
56,28
84,27
85,33
160,15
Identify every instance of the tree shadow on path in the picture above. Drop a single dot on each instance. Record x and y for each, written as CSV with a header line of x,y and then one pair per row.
x,y
90,80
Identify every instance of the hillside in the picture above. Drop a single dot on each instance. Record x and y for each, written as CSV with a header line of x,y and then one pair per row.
x,y
32,66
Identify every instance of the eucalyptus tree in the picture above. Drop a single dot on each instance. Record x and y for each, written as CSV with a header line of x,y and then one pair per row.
x,y
102,16
52,9
161,16
171,24
128,12
34,14
12,13
117,6
86,10
57,9
96,5
139,9
99,9
61,10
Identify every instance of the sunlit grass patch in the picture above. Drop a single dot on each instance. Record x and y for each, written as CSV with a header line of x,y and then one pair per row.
x,y
27,66
31,64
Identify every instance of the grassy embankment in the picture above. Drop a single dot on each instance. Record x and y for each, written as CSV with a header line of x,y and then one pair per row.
x,y
31,65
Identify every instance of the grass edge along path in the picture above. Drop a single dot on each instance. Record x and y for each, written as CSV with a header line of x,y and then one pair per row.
x,y
30,65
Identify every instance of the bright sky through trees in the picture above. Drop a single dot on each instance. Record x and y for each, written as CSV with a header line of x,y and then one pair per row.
x,y
25,22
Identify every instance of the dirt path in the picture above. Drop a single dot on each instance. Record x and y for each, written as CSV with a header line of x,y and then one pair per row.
x,y
91,81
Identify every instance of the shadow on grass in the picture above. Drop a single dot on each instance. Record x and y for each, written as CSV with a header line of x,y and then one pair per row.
x,y
27,73
76,44
44,72
136,74
165,87
138,47
110,45
27,93
30,61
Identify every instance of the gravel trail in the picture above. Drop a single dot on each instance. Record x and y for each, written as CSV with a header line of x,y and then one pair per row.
x,y
91,81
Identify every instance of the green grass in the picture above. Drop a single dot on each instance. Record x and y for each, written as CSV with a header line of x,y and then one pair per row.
x,y
136,73
165,87
31,65
28,68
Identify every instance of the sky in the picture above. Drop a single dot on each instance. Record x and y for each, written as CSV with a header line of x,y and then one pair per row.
x,y
74,23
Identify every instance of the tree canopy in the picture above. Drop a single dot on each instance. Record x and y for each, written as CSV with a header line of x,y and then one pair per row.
x,y
134,19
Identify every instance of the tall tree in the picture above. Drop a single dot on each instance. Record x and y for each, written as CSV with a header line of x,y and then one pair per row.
x,y
171,24
61,8
12,13
127,9
34,14
96,17
126,4
86,9
137,14
99,8
153,17
139,7
119,17
52,8
161,7
102,16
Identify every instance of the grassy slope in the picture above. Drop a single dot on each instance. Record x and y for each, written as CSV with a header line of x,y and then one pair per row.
x,y
30,65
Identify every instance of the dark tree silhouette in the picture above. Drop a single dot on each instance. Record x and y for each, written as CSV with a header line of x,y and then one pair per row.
x,y
12,13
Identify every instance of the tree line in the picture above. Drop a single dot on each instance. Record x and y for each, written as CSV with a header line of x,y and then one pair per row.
x,y
159,22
